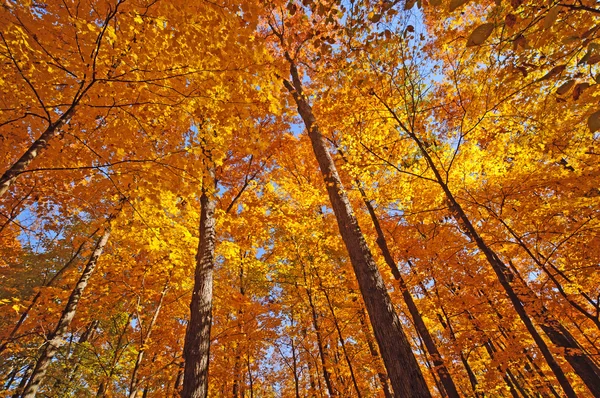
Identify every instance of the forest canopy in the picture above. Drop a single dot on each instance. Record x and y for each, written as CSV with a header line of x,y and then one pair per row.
x,y
299,198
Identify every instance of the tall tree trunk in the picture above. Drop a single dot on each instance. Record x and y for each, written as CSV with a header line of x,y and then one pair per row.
x,y
56,338
315,322
11,337
34,149
196,348
250,377
519,295
430,345
26,373
238,390
401,364
340,336
118,350
383,379
73,361
134,384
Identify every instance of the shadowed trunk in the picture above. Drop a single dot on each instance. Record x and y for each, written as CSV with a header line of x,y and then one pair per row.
x,y
428,342
134,386
400,362
197,338
315,322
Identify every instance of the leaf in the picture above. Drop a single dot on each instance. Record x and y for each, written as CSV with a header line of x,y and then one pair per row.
x,y
454,4
435,3
551,17
520,41
592,56
579,89
593,122
557,70
480,34
374,17
510,20
563,89
409,4
292,8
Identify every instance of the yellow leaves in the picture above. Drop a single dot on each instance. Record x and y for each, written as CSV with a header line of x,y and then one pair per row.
x,y
112,36
138,19
16,306
480,34
161,22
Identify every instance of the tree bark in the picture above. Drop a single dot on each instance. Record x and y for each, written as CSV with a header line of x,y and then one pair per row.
x,y
519,295
33,151
134,384
56,339
196,348
430,345
383,379
11,337
340,336
315,322
403,369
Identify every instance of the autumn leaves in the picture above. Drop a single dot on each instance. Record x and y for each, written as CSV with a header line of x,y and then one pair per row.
x,y
433,230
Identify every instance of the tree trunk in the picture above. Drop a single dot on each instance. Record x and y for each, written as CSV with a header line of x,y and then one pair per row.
x,y
383,379
315,322
581,363
32,152
134,384
56,339
430,345
11,337
197,338
340,336
401,364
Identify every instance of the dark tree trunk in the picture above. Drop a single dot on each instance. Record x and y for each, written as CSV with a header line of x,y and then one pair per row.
x,y
401,364
33,151
518,295
197,338
340,336
430,345
383,379
315,322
